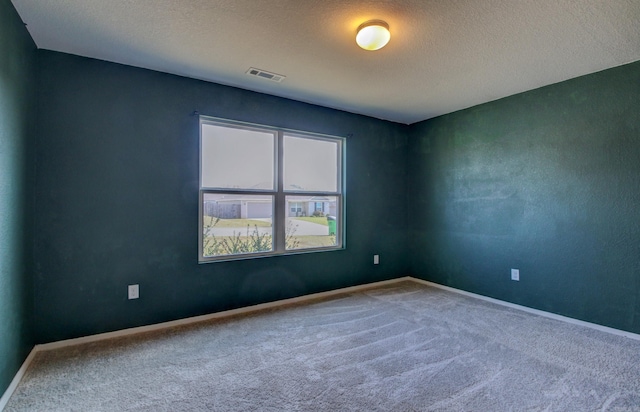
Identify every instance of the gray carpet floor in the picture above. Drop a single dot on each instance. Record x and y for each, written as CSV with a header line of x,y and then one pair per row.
x,y
403,347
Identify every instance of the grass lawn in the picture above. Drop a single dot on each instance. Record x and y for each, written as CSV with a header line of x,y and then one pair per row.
x,y
315,241
303,241
313,219
237,222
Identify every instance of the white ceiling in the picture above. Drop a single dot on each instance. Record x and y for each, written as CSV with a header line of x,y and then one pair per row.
x,y
444,55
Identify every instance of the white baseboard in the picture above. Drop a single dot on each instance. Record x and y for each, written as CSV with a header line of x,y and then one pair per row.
x,y
217,315
16,379
538,312
132,331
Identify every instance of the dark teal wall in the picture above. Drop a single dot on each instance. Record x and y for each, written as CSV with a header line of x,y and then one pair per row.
x,y
17,63
546,181
117,200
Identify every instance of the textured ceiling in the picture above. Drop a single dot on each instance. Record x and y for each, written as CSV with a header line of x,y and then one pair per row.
x,y
444,55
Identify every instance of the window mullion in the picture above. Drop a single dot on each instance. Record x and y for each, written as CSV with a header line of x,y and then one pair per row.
x,y
280,207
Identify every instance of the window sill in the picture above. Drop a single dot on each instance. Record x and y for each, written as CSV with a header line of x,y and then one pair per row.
x,y
231,258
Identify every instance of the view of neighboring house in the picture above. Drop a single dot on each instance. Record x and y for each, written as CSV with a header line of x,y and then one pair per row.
x,y
260,207
311,206
238,206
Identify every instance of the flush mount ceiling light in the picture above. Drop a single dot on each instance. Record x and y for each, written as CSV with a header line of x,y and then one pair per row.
x,y
373,35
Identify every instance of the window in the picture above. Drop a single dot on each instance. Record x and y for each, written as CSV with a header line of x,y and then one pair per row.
x,y
296,207
265,191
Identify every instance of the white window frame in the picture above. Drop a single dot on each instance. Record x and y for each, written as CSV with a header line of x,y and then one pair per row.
x,y
280,209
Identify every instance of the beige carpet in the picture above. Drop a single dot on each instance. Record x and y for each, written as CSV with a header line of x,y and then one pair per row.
x,y
404,347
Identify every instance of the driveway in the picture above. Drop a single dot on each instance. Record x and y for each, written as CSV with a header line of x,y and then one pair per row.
x,y
304,228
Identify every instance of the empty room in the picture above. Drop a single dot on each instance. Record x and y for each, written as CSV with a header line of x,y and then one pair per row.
x,y
268,205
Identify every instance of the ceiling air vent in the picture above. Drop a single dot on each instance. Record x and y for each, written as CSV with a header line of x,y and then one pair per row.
x,y
265,75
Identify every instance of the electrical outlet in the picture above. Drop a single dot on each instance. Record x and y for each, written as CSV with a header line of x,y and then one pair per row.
x,y
515,274
376,259
134,291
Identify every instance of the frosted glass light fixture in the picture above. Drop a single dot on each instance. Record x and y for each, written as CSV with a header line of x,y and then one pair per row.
x,y
373,35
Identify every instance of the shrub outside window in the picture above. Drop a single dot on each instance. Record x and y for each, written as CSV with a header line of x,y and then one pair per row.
x,y
267,191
